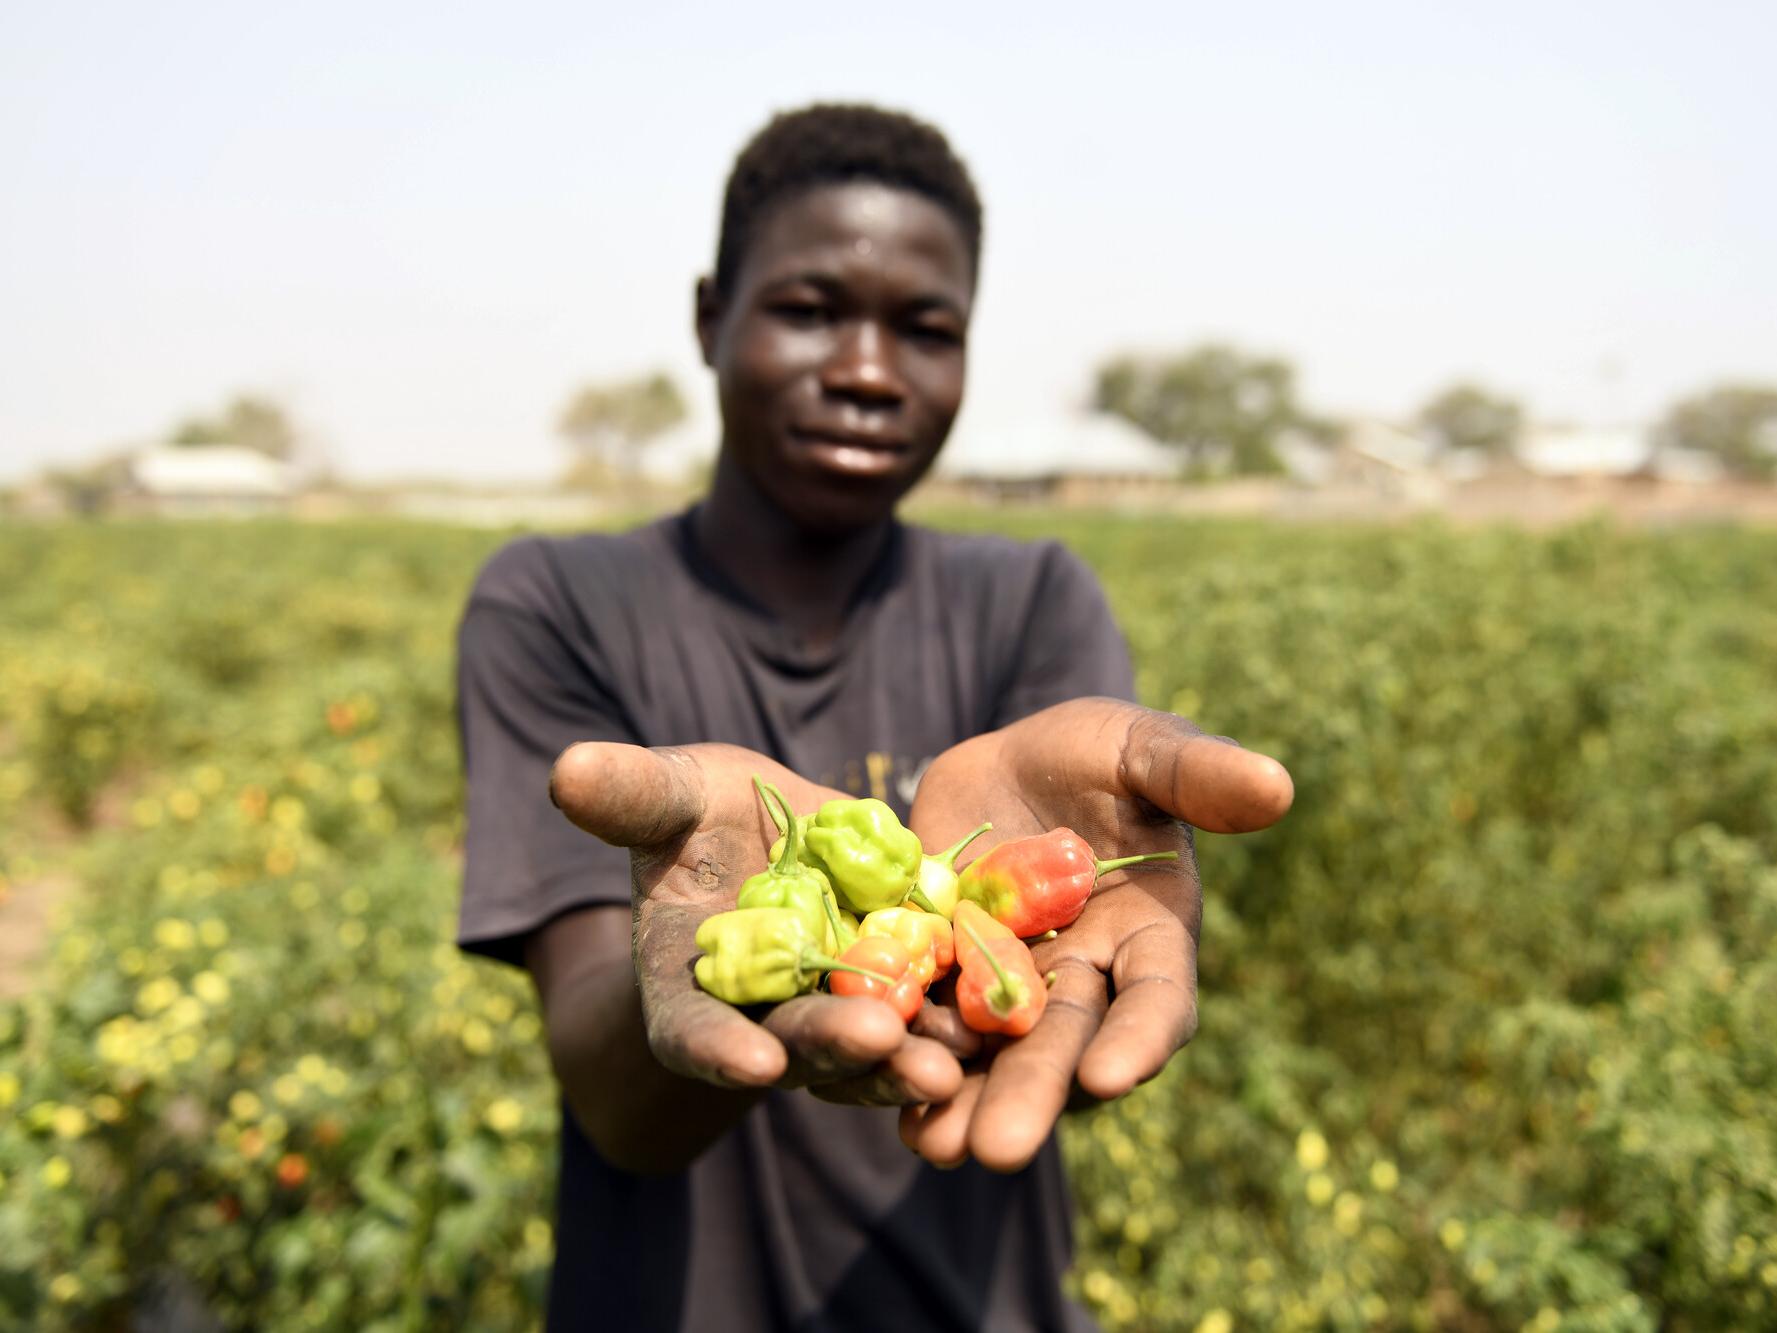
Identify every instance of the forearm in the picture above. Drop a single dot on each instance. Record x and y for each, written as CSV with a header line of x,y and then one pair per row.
x,y
639,1115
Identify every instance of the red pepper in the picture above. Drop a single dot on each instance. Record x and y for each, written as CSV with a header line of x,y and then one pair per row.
x,y
887,955
970,925
1040,883
999,990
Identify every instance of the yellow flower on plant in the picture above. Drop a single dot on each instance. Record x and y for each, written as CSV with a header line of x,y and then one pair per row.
x,y
210,987
1311,1150
64,1287
504,1115
157,995
311,1068
1348,1213
56,1172
1319,1189
478,1037
1216,1321
9,1088
69,1122
183,1048
538,1233
366,788
212,933
1385,1175
184,804
1452,1233
174,934
287,1088
106,1108
334,1082
245,1105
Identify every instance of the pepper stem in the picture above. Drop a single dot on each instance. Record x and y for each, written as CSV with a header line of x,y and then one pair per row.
x,y
770,809
917,896
948,856
1105,867
813,960
786,861
1007,992
831,911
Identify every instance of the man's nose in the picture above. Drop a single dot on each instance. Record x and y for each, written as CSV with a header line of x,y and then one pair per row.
x,y
862,366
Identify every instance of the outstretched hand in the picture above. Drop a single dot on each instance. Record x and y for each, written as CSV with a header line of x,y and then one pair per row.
x,y
1128,780
696,831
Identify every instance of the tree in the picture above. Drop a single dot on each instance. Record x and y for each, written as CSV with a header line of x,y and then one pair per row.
x,y
1736,423
608,425
1466,416
1224,410
249,421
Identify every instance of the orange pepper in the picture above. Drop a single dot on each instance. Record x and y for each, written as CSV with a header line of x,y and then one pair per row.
x,y
888,956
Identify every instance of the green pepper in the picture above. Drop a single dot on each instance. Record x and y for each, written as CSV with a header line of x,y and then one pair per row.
x,y
756,954
872,860
847,927
791,820
788,884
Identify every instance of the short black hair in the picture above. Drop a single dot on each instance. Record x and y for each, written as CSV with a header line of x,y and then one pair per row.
x,y
832,144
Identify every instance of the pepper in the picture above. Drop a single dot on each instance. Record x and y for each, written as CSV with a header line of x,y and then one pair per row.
x,y
788,884
889,957
756,954
973,924
936,890
1040,883
846,927
999,990
872,859
925,935
800,823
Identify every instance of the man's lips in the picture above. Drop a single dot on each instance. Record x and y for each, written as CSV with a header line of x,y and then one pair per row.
x,y
851,454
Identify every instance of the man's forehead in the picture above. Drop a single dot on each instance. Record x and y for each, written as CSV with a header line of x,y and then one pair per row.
x,y
865,221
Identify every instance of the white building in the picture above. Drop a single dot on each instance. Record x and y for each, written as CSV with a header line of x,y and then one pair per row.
x,y
206,480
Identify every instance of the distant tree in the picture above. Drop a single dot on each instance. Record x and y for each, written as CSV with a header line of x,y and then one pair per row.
x,y
1222,409
249,421
1466,416
609,425
1737,423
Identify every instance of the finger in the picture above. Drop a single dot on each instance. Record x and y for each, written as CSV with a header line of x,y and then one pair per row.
x,y
920,1071
692,1033
834,1036
944,1025
940,1133
1029,1081
698,1036
1154,1012
1207,781
628,795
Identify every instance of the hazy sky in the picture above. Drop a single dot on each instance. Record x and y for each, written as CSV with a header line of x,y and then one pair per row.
x,y
421,225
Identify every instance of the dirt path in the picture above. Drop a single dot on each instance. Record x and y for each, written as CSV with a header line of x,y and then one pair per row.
x,y
24,930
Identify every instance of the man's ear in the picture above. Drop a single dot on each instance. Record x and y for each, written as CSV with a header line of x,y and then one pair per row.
x,y
708,319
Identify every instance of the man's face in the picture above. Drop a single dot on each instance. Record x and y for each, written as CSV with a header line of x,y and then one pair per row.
x,y
839,355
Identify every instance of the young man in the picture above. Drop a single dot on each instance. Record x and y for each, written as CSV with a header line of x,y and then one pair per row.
x,y
722,1172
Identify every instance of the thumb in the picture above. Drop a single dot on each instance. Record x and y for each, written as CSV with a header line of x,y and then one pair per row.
x,y
627,795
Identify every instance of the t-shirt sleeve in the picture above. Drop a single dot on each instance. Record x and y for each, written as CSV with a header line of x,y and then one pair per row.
x,y
524,694
1070,646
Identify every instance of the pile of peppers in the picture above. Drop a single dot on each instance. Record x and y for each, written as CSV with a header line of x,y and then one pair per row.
x,y
851,894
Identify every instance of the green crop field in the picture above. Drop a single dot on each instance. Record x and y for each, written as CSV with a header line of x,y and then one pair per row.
x,y
1487,1022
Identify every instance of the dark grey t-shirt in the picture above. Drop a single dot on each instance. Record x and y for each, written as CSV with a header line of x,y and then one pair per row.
x,y
806,1216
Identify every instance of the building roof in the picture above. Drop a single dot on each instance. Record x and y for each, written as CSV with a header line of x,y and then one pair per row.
x,y
1092,444
211,470
1585,451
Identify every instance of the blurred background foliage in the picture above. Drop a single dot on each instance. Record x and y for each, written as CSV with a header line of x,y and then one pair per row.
x,y
1482,1038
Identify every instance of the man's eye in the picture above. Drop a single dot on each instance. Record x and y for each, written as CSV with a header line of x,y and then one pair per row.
x,y
937,334
801,312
